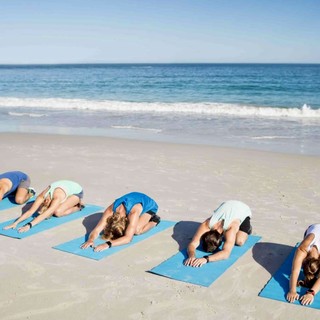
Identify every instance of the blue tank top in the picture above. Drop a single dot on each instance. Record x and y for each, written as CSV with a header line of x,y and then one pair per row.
x,y
315,229
16,177
133,198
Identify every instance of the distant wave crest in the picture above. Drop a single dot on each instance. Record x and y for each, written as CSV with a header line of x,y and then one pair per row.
x,y
136,128
205,108
25,114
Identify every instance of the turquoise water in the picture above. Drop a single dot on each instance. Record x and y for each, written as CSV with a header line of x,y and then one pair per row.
x,y
261,106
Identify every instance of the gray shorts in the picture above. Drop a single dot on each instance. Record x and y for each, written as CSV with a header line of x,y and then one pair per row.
x,y
25,184
79,195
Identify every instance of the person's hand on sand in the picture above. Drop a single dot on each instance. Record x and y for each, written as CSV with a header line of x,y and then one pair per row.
x,y
24,228
87,244
10,226
307,299
292,296
101,247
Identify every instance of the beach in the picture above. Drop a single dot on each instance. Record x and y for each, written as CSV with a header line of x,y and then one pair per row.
x,y
188,182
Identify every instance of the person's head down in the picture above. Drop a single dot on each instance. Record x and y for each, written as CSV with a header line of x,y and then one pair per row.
x,y
311,270
116,227
211,240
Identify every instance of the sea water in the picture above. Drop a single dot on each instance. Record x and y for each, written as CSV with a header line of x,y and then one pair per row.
x,y
274,107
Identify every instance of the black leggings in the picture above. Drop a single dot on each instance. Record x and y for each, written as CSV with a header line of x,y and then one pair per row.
x,y
246,226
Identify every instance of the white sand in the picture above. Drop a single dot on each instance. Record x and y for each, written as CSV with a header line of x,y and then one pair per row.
x,y
188,182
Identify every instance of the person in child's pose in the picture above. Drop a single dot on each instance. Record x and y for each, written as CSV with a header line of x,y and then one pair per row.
x,y
230,220
60,198
16,183
306,256
129,215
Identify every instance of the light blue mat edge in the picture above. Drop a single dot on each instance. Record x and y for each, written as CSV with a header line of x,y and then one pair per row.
x,y
174,268
73,246
46,224
278,286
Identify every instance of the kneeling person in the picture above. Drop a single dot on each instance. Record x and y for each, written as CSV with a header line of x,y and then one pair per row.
x,y
16,183
61,198
129,215
230,220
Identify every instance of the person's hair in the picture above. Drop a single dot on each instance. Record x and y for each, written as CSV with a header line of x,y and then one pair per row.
x,y
45,205
43,209
211,240
116,227
311,270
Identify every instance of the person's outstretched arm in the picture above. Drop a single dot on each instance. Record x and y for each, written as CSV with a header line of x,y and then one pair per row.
x,y
98,228
35,206
193,245
230,240
308,298
133,218
47,214
299,256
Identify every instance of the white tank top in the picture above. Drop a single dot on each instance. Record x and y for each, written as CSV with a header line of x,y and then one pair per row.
x,y
230,211
315,229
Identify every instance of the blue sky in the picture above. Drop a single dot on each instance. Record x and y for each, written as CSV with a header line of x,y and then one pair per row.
x,y
163,31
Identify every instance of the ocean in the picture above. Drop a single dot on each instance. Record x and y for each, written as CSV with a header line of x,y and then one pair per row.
x,y
272,107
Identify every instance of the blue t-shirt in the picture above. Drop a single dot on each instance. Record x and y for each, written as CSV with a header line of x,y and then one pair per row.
x,y
16,177
133,198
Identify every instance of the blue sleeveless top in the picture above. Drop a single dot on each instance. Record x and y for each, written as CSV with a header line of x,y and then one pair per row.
x,y
133,198
16,177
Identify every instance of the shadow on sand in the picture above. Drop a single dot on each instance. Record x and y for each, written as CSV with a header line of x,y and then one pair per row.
x,y
183,232
91,221
274,258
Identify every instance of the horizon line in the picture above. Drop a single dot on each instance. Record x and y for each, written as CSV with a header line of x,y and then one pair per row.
x,y
147,63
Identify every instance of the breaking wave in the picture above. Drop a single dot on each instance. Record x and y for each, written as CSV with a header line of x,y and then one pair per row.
x,y
205,108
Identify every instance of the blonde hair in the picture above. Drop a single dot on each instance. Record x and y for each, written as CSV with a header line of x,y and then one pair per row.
x,y
45,205
116,227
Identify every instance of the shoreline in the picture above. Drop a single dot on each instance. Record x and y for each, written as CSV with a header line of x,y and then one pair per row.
x,y
139,135
188,182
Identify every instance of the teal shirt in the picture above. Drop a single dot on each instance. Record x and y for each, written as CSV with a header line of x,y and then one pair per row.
x,y
229,211
69,187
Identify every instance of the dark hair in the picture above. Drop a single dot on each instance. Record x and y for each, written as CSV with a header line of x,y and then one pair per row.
x,y
311,269
211,240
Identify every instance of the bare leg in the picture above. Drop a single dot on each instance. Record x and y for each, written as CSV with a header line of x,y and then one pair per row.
x,y
144,224
5,186
69,206
2,192
241,238
22,195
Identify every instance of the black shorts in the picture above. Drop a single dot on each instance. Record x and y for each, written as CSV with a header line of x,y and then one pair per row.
x,y
246,226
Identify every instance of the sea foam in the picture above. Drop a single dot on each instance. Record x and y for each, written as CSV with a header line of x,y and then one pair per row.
x,y
25,114
204,108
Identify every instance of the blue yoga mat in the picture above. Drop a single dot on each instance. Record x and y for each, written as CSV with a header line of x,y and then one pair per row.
x,y
8,203
278,286
73,246
46,224
204,276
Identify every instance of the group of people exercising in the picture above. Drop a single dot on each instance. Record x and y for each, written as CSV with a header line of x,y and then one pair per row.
x,y
136,213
